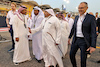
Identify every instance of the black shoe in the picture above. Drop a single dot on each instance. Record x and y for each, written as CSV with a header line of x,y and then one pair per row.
x,y
11,50
39,61
57,65
16,63
98,61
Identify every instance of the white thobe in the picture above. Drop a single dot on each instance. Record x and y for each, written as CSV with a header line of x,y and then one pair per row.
x,y
70,22
51,54
64,37
21,52
37,38
29,22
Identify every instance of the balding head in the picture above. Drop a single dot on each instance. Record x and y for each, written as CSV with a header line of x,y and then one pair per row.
x,y
91,13
86,4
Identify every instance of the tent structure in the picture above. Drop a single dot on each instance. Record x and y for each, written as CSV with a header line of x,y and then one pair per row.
x,y
56,10
46,6
32,2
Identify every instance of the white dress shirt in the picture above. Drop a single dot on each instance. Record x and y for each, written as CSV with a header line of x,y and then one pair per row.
x,y
10,15
79,25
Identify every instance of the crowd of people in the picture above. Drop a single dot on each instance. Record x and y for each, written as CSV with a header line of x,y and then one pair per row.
x,y
51,34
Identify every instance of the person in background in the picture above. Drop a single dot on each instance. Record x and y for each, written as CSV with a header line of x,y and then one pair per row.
x,y
69,20
64,34
98,31
96,15
97,24
91,13
9,17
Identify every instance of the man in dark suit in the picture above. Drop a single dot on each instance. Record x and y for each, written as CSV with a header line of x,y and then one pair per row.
x,y
84,32
98,25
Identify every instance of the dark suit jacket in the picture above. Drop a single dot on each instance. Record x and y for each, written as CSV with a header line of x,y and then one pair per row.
x,y
98,24
88,30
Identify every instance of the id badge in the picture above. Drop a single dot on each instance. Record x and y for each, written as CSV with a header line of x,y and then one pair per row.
x,y
34,26
25,25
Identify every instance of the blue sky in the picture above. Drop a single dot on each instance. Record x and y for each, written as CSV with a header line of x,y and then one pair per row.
x,y
94,5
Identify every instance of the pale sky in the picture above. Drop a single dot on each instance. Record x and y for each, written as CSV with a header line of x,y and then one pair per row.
x,y
94,5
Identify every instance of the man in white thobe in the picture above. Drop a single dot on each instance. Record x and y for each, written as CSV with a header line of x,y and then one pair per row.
x,y
51,35
20,27
64,34
69,20
37,17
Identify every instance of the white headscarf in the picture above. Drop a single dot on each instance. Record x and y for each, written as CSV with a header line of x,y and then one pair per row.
x,y
68,14
39,14
19,14
40,11
50,11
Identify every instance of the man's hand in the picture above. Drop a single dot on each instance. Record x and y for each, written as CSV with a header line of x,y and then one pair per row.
x,y
28,36
69,41
97,33
91,49
17,39
30,30
57,44
8,26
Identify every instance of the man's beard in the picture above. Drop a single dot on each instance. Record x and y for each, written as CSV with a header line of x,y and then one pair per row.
x,y
60,18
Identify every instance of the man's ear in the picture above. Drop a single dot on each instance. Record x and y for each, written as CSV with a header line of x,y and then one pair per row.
x,y
87,7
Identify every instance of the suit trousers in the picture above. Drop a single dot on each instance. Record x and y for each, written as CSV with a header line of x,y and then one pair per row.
x,y
12,36
79,43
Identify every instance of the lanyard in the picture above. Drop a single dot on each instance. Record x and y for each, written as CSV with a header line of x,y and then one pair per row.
x,y
68,20
35,20
82,19
22,20
24,23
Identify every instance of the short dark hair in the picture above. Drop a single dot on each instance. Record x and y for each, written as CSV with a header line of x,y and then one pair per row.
x,y
85,3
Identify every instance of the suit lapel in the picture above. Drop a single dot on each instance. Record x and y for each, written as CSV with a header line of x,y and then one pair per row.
x,y
86,17
76,21
84,21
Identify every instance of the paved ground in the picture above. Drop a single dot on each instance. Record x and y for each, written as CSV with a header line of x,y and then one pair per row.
x,y
6,58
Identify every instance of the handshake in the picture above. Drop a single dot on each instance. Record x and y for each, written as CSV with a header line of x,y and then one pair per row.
x,y
17,38
29,30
